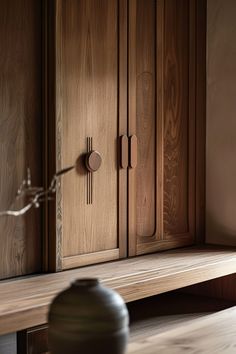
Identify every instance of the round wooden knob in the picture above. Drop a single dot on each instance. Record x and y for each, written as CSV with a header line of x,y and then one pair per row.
x,y
93,161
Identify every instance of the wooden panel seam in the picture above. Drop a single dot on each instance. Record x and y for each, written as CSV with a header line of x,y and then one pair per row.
x,y
90,258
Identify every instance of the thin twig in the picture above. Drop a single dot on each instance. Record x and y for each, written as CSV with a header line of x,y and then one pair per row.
x,y
37,194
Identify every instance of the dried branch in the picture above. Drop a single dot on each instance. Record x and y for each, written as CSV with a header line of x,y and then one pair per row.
x,y
36,195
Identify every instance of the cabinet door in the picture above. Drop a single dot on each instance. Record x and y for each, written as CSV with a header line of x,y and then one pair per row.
x,y
91,96
162,116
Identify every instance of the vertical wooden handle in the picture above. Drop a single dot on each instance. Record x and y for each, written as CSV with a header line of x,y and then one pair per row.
x,y
133,158
124,151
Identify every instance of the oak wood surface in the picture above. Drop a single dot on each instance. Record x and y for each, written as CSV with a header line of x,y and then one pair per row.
x,y
164,38
24,302
176,117
92,258
90,99
164,312
214,333
89,109
20,131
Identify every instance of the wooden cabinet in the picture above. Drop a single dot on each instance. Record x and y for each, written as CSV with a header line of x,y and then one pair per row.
x,y
126,86
109,69
125,78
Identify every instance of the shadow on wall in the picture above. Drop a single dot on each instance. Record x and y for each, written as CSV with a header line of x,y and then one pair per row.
x,y
218,233
221,123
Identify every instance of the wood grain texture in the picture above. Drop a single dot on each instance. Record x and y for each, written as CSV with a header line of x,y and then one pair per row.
x,y
160,17
163,48
164,312
143,329
176,117
24,302
20,131
89,77
169,243
89,108
142,122
214,333
92,258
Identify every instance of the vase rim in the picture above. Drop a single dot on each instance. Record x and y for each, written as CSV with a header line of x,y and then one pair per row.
x,y
86,282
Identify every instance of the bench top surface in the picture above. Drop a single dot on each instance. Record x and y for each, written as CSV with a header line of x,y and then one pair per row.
x,y
24,302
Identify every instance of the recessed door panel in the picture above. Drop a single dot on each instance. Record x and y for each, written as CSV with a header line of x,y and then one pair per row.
x,y
146,117
176,118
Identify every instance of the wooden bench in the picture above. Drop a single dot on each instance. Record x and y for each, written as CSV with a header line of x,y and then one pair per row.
x,y
24,302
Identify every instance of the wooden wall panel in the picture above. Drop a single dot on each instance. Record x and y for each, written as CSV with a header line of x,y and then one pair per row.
x,y
162,67
90,69
20,130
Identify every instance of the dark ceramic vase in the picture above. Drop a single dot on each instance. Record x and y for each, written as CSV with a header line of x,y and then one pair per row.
x,y
88,318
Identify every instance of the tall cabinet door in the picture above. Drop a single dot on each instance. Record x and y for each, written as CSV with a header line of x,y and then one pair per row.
x,y
91,114
161,124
